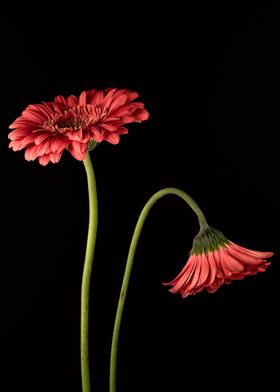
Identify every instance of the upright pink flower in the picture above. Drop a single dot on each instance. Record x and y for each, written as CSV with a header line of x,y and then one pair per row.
x,y
215,260
75,123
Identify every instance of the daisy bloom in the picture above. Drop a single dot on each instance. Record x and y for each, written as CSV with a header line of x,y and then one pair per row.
x,y
215,260
45,130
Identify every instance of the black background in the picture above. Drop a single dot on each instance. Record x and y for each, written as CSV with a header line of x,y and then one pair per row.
x,y
209,76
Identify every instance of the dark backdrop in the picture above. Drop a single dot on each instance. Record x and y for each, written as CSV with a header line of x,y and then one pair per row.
x,y
209,76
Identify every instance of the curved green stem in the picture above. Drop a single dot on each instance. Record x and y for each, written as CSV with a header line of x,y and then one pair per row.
x,y
91,239
129,263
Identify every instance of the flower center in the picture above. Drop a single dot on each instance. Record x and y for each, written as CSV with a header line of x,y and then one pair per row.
x,y
76,118
71,122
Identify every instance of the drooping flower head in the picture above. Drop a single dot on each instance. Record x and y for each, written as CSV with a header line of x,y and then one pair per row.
x,y
215,260
74,123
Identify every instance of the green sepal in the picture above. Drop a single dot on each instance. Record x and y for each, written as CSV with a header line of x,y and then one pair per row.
x,y
208,240
92,144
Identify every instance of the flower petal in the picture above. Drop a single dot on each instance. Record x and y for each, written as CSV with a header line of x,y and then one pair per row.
x,y
231,263
58,144
254,253
195,278
96,97
243,257
78,150
108,98
18,134
55,157
120,101
44,147
44,160
31,152
41,137
212,268
83,99
214,286
72,101
204,272
60,99
112,138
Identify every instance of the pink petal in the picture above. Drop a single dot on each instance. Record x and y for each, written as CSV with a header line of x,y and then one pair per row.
x,y
46,108
184,280
96,134
244,258
108,127
78,150
97,138
18,134
72,101
37,112
220,272
58,144
76,135
60,99
131,95
90,95
96,98
15,145
195,277
55,157
254,253
117,93
108,98
120,101
44,160
112,138
121,131
142,115
31,152
32,116
44,147
83,99
41,137
126,119
238,276
212,269
214,287
205,269
231,264
26,141
24,123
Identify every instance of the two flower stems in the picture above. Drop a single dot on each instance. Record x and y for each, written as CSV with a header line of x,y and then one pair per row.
x,y
92,230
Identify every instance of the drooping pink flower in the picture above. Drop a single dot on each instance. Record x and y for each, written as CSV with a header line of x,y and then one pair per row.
x,y
215,260
75,123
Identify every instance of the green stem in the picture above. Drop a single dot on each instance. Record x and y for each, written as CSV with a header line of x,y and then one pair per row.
x,y
129,263
91,239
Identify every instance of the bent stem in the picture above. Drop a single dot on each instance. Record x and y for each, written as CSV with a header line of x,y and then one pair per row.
x,y
203,224
91,239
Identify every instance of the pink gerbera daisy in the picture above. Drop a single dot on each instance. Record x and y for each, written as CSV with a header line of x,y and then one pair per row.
x,y
215,260
75,123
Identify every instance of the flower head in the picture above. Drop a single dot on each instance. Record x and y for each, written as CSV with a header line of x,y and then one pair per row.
x,y
215,260
75,123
